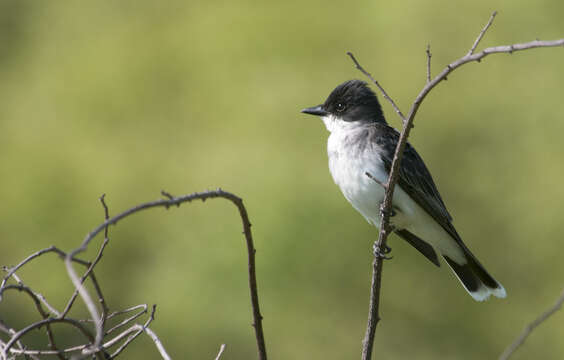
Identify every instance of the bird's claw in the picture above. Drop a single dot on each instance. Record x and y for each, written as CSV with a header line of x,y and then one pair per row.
x,y
381,253
383,211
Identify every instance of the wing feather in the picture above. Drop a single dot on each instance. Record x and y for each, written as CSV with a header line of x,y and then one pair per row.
x,y
414,177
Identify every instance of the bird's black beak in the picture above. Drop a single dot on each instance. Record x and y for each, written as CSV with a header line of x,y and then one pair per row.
x,y
316,110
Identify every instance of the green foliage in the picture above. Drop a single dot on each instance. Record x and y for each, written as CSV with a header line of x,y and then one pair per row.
x,y
128,98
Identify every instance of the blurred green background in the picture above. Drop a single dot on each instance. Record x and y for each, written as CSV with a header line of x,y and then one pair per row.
x,y
128,98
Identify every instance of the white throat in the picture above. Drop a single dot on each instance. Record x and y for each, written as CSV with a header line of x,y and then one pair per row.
x,y
336,124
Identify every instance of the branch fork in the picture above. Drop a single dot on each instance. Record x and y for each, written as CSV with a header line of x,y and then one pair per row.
x,y
407,124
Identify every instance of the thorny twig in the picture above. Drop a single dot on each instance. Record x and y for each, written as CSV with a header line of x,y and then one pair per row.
x,y
96,345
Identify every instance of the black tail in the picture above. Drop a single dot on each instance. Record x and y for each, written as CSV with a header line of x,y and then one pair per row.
x,y
475,279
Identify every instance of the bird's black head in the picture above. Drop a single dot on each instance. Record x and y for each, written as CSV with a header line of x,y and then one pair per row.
x,y
351,101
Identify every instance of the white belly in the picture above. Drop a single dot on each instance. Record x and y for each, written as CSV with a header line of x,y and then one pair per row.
x,y
364,194
349,169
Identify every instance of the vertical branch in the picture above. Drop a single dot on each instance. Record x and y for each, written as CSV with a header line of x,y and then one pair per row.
x,y
257,323
380,246
386,207
374,304
105,309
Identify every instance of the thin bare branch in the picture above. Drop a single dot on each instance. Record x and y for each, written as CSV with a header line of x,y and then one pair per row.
x,y
386,207
41,298
167,203
508,49
138,330
96,347
51,309
35,255
376,282
384,93
12,271
221,349
89,271
34,353
129,319
106,210
481,34
144,308
8,330
108,344
375,180
39,324
157,342
531,326
428,51
31,294
43,313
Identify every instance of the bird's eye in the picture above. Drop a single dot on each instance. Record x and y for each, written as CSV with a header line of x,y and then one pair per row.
x,y
340,107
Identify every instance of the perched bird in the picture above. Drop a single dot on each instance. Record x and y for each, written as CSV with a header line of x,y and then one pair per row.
x,y
361,145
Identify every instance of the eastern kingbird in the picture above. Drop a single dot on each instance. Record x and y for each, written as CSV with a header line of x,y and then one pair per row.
x,y
361,145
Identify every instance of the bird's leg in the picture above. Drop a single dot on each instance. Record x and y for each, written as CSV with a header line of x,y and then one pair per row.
x,y
381,253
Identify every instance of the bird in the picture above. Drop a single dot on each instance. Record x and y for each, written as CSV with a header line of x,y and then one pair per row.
x,y
360,149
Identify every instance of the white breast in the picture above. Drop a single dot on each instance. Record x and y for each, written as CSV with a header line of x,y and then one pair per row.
x,y
349,164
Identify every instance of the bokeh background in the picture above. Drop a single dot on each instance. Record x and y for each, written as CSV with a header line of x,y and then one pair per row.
x,y
128,98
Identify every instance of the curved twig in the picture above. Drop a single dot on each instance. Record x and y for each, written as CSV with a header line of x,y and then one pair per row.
x,y
37,301
12,271
531,326
48,321
167,203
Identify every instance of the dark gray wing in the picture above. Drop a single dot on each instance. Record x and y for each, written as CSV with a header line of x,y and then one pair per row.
x,y
414,178
420,245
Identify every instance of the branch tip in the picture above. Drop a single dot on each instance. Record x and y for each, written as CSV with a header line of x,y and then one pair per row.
x,y
368,75
481,34
221,349
428,51
370,176
167,195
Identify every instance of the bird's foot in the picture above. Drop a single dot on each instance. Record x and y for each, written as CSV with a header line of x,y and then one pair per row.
x,y
383,211
381,253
